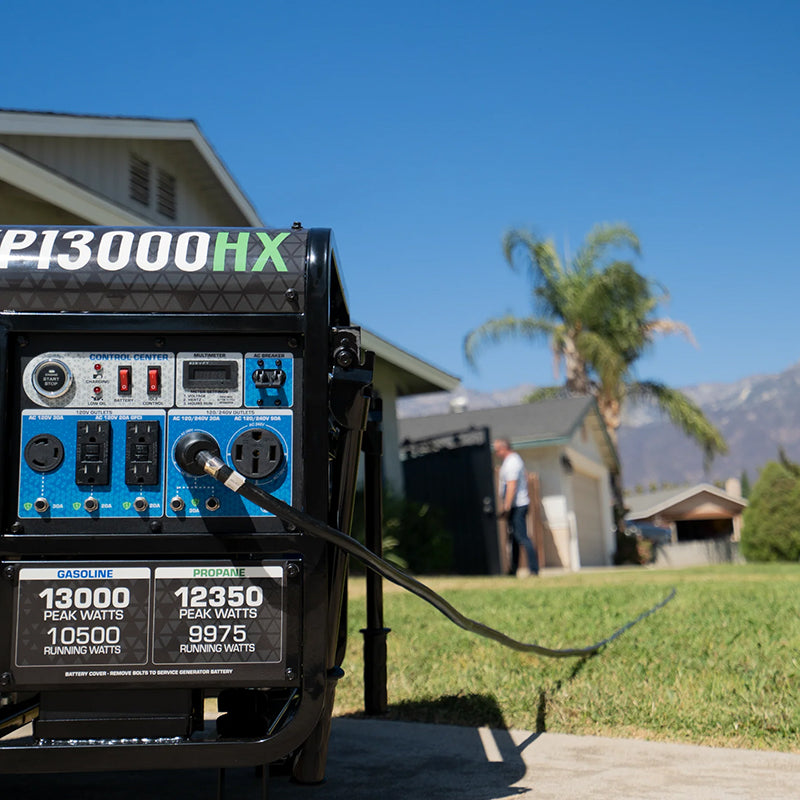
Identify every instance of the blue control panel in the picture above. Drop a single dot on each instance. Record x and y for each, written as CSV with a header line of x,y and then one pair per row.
x,y
201,495
68,471
98,437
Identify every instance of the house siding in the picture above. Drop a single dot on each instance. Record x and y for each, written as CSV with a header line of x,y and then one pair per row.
x,y
102,166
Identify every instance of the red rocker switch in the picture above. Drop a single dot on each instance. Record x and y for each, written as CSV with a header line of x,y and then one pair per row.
x,y
153,380
124,380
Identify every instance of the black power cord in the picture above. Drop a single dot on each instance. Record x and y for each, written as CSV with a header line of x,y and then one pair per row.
x,y
207,461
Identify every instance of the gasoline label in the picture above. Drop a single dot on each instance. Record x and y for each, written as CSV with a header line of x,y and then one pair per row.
x,y
82,617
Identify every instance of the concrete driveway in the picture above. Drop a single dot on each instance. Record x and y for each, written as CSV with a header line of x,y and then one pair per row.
x,y
379,760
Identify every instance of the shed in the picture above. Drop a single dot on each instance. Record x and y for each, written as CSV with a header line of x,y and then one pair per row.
x,y
705,521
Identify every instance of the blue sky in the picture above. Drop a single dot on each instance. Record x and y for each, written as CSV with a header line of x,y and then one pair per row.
x,y
420,132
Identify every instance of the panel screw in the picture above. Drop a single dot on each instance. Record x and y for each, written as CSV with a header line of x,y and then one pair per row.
x,y
344,357
8,573
292,570
17,528
297,226
5,679
291,295
289,674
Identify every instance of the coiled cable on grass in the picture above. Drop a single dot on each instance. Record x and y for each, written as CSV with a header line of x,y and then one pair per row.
x,y
220,471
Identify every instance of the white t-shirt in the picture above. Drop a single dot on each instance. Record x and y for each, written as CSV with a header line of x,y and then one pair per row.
x,y
513,469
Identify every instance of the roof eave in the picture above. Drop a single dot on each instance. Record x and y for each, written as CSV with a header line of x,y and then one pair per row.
x,y
87,127
432,379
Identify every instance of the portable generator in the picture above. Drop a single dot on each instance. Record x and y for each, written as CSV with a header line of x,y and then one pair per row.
x,y
134,589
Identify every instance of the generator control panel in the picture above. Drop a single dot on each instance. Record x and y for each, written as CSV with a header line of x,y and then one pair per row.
x,y
98,431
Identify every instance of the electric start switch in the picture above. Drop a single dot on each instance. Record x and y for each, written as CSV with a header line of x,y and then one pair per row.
x,y
52,379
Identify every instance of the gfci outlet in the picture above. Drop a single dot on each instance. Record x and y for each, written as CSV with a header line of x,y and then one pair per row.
x,y
93,453
142,452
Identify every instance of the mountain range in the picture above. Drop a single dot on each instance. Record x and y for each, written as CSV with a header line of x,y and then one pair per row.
x,y
756,415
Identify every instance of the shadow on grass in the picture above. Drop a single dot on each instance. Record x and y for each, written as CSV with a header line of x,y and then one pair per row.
x,y
545,695
471,710
474,710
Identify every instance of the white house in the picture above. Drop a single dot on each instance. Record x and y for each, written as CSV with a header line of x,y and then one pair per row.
x,y
565,443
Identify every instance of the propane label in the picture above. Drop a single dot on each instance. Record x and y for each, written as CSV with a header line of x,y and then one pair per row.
x,y
208,615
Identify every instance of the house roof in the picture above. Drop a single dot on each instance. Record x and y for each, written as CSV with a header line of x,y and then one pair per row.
x,y
645,506
549,422
191,147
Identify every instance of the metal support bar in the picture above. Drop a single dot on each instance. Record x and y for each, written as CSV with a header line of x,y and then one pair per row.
x,y
375,692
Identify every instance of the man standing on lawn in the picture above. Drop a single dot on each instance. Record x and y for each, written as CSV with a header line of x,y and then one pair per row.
x,y
515,501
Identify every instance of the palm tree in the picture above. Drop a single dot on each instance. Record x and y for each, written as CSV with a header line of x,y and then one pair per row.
x,y
598,314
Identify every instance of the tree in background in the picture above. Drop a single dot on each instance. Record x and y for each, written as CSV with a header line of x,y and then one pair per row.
x,y
771,530
599,316
744,482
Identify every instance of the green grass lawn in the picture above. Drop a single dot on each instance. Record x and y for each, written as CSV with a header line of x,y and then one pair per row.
x,y
718,665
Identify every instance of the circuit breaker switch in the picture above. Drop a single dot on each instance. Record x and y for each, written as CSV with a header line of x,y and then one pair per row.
x,y
269,378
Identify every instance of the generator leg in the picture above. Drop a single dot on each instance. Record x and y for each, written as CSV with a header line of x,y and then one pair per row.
x,y
309,765
262,785
375,692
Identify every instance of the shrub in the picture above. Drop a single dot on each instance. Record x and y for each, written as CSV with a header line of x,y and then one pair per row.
x,y
414,535
771,529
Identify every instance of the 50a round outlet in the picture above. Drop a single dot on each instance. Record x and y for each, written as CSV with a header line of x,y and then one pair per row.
x,y
44,453
256,453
